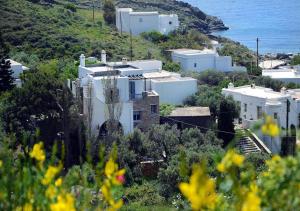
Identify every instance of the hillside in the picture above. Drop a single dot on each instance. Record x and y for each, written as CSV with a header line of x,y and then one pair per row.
x,y
55,31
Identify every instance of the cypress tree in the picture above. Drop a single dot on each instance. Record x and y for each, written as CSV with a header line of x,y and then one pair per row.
x,y
6,79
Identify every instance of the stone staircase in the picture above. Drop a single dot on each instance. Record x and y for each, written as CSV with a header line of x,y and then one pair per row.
x,y
247,145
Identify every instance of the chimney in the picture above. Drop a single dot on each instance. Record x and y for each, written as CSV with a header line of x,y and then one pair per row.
x,y
230,86
82,60
283,90
124,61
103,56
253,86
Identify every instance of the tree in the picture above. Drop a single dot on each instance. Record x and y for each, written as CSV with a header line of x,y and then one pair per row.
x,y
109,12
6,79
295,60
228,111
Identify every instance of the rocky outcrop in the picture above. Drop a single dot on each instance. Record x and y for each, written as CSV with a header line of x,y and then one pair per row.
x,y
189,16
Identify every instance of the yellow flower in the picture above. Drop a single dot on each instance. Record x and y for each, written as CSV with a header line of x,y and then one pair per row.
x,y
38,152
1,163
58,182
252,201
51,192
110,167
50,174
26,207
221,167
64,203
238,159
200,191
270,127
116,206
231,159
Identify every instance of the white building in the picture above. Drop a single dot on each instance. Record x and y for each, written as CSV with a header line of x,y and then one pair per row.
x,y
142,86
17,69
137,22
200,60
285,74
255,101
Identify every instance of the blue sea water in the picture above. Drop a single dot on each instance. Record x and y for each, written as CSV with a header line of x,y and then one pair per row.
x,y
275,22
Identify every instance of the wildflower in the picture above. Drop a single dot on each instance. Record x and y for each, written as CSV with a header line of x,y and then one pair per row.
x,y
270,127
26,207
50,192
110,167
1,163
50,174
38,152
231,159
58,182
64,202
252,201
200,191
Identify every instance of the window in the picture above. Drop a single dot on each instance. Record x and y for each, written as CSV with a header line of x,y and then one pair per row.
x,y
137,115
141,20
259,112
245,107
170,23
195,64
275,116
153,109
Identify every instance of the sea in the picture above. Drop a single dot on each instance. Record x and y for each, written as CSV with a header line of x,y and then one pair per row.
x,y
276,23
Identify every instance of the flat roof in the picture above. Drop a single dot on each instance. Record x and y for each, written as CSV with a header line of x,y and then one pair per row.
x,y
144,13
186,51
281,73
256,91
191,111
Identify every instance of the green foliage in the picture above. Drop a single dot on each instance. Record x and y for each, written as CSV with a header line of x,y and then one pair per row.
x,y
228,112
109,12
51,32
171,67
149,196
295,60
6,78
71,7
166,109
155,37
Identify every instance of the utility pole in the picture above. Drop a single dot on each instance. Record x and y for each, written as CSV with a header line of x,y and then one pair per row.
x,y
131,48
257,56
121,24
288,104
93,11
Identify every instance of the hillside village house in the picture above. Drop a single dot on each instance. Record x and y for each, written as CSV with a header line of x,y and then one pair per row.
x,y
255,101
285,74
137,22
17,69
200,60
140,87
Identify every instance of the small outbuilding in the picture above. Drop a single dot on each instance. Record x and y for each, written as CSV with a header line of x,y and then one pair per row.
x,y
189,117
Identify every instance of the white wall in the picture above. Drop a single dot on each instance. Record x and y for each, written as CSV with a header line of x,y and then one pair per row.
x,y
168,23
147,65
139,22
149,23
100,112
174,92
223,63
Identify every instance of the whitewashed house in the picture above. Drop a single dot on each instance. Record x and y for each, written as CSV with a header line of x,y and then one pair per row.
x,y
141,87
285,74
200,60
17,69
255,101
137,22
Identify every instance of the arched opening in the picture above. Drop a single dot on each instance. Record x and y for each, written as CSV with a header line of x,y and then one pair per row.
x,y
110,127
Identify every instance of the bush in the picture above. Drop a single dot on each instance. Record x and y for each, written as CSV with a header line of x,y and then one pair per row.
x,y
109,11
71,7
171,67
